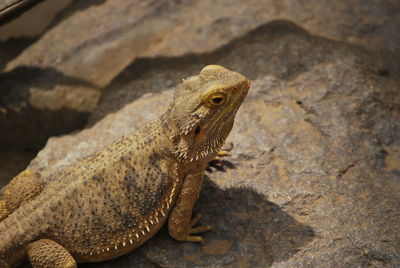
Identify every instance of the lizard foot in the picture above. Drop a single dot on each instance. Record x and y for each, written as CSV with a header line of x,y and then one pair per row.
x,y
217,162
186,234
197,230
48,253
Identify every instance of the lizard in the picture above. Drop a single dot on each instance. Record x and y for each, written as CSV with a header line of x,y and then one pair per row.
x,y
106,205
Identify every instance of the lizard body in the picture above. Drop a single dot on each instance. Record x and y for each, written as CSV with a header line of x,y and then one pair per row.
x,y
112,202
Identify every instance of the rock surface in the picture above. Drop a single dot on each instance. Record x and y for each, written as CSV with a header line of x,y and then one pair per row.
x,y
92,41
96,39
314,176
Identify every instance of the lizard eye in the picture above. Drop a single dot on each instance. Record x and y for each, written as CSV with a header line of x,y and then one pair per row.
x,y
217,99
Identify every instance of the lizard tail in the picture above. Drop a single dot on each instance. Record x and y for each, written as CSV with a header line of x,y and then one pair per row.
x,y
16,231
10,249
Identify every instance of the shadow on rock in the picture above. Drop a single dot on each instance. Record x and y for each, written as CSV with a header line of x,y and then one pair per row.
x,y
27,127
25,77
241,54
250,232
279,48
27,131
71,9
10,49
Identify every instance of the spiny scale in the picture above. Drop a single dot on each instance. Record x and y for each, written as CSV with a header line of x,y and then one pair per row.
x,y
112,202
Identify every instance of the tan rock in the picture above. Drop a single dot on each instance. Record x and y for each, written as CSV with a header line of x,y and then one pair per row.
x,y
307,184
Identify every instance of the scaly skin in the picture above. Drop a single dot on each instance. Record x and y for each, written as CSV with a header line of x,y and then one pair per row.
x,y
112,202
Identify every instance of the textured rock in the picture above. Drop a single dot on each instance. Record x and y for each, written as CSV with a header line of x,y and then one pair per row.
x,y
30,112
96,39
315,174
92,41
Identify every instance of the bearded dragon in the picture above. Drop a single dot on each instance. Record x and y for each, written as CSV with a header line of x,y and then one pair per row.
x,y
112,202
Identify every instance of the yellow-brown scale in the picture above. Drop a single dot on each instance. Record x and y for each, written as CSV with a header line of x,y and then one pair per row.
x,y
125,242
112,202
115,236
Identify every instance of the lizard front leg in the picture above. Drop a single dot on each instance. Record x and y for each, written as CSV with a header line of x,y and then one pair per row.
x,y
180,222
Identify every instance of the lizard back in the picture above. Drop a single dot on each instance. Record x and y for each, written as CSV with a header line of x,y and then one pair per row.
x,y
107,202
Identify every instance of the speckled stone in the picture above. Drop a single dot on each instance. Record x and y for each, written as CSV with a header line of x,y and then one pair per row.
x,y
314,174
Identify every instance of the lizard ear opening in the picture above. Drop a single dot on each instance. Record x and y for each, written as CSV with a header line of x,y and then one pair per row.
x,y
200,134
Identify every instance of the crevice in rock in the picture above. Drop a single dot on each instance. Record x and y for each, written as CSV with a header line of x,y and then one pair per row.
x,y
26,128
343,171
316,126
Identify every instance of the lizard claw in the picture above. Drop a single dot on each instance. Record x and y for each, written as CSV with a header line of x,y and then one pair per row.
x,y
195,220
195,230
217,162
222,153
200,229
188,233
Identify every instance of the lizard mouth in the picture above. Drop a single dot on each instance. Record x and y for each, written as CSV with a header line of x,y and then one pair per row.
x,y
208,135
211,136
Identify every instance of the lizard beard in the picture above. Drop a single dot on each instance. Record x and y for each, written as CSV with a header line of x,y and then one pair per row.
x,y
213,143
202,142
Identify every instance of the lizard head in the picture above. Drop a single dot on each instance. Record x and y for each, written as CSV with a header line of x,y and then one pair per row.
x,y
204,110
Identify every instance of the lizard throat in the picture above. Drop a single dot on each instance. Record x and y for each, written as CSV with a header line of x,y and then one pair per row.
x,y
212,146
207,140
